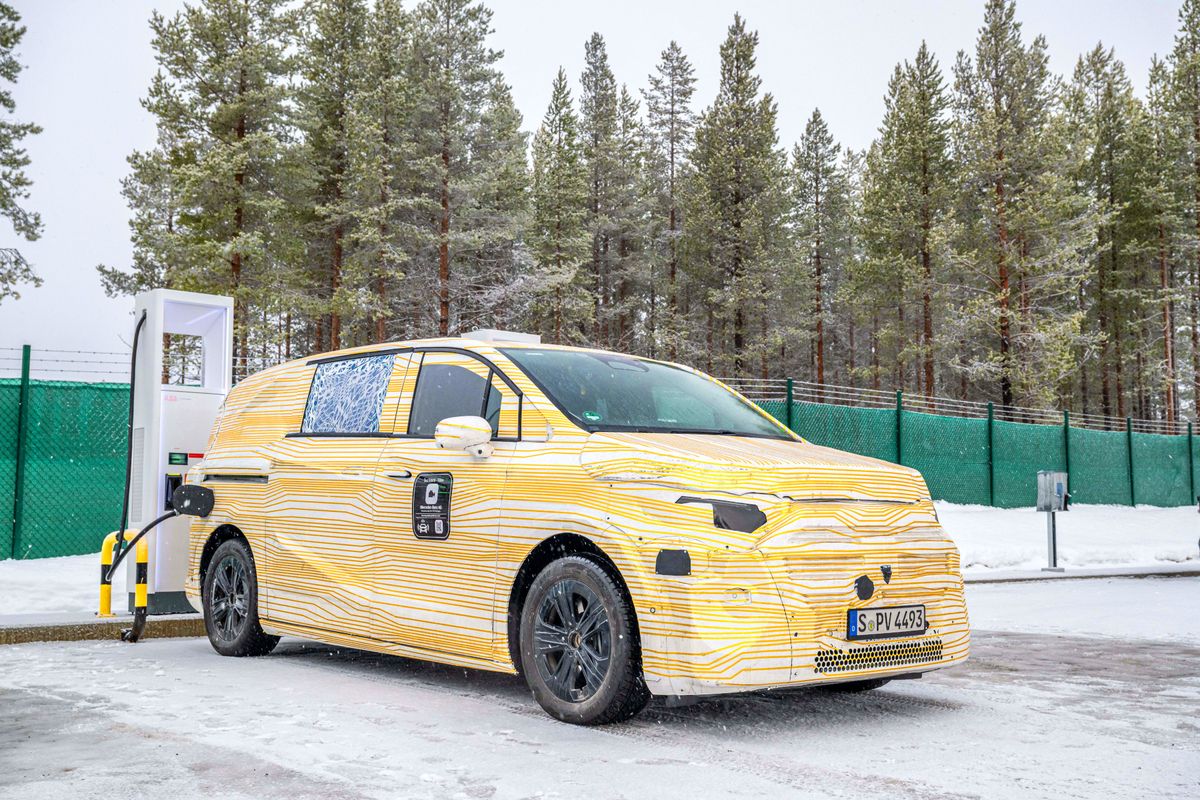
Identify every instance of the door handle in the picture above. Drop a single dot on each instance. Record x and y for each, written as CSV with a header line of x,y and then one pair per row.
x,y
400,475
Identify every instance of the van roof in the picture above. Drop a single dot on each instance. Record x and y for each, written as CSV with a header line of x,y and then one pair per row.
x,y
451,341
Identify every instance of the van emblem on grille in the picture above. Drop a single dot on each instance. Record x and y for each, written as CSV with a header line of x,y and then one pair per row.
x,y
886,569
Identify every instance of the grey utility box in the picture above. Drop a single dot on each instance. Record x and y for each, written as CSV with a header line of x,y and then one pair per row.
x,y
1052,491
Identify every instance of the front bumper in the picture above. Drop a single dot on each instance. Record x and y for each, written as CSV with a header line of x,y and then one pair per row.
x,y
776,617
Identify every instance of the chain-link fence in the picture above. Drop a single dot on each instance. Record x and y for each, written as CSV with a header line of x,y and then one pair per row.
x,y
980,453
63,418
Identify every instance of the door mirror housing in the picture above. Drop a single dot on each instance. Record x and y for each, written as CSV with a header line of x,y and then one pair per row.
x,y
472,434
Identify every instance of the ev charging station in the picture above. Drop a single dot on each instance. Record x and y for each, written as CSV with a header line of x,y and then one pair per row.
x,y
170,428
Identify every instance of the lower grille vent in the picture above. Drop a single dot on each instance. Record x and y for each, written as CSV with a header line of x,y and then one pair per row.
x,y
878,656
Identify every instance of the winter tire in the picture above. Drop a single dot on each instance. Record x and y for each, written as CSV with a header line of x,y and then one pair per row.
x,y
231,603
579,649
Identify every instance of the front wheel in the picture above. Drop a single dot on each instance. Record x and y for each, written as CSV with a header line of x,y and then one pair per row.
x,y
230,597
579,651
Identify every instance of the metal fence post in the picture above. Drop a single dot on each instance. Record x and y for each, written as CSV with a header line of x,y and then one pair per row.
x,y
991,457
19,471
1067,442
1191,462
899,414
1129,448
789,413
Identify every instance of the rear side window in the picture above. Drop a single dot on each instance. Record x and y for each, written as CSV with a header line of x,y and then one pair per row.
x,y
445,390
347,395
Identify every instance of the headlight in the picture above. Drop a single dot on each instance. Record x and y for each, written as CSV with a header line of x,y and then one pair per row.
x,y
729,515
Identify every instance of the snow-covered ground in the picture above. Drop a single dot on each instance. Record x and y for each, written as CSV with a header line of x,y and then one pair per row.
x,y
1088,536
989,538
1030,715
1159,609
56,585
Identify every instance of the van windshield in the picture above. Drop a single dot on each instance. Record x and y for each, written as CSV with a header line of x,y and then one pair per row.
x,y
610,392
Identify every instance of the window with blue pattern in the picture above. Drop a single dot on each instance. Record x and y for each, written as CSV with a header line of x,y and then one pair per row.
x,y
347,395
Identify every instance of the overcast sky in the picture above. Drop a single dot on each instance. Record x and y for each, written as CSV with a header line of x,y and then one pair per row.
x,y
89,63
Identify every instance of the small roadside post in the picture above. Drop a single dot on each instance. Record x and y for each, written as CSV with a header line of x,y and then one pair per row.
x,y
1052,497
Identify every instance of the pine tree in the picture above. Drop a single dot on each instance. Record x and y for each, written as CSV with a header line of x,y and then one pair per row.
x,y
734,214
14,183
853,312
559,239
1101,109
1030,226
1185,70
632,303
820,206
909,215
382,174
330,63
598,132
219,104
496,217
1159,184
670,125
455,73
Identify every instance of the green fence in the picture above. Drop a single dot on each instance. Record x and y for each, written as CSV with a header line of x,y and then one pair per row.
x,y
62,465
62,458
995,462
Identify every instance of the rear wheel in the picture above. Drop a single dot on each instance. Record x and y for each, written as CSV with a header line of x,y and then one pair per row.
x,y
231,603
579,652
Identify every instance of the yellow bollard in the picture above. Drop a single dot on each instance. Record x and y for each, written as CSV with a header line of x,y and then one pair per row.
x,y
106,559
142,560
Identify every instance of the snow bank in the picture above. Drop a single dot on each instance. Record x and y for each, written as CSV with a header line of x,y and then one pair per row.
x,y
56,585
1088,536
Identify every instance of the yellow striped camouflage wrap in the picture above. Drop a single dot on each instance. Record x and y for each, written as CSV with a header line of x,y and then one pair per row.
x,y
329,522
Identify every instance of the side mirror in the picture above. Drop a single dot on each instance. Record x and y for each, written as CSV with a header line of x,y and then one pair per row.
x,y
472,434
193,500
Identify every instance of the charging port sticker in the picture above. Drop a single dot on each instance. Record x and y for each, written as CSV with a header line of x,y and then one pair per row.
x,y
431,505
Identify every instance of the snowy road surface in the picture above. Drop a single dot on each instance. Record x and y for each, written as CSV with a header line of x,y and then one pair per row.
x,y
1111,712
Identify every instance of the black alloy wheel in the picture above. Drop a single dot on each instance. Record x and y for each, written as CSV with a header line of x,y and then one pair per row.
x,y
579,648
230,595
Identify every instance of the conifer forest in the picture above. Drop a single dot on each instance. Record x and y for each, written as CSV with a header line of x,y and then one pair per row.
x,y
353,171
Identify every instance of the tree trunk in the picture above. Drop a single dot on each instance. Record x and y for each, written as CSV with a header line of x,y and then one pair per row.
x,y
1168,329
1118,371
1196,273
850,378
241,346
672,229
335,282
708,351
820,304
381,266
762,356
1002,287
927,317
927,271
444,239
1196,338
875,351
962,376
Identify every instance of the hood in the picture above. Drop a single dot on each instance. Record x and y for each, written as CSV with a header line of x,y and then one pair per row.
x,y
747,465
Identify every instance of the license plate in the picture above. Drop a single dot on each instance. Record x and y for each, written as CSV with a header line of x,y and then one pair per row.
x,y
878,623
